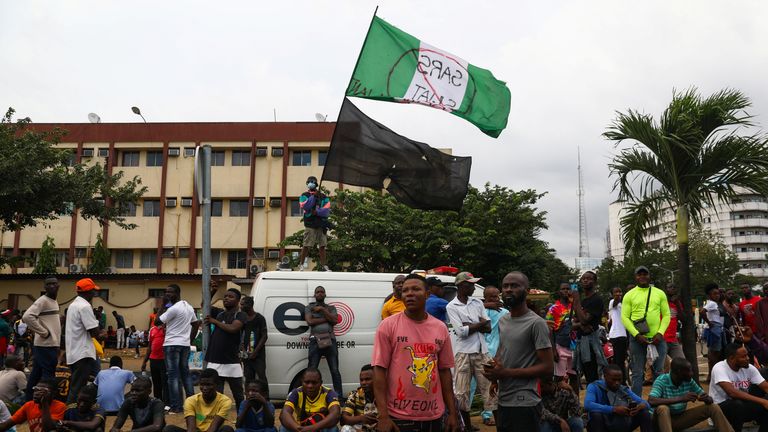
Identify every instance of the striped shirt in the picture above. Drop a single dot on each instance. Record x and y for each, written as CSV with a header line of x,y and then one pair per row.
x,y
664,388
358,403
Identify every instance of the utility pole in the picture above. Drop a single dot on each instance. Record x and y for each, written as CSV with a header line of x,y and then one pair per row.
x,y
203,184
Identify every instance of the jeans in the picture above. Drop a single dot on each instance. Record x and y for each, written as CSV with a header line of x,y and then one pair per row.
x,y
159,379
604,423
81,370
177,369
524,419
620,351
44,361
235,386
331,356
738,411
256,368
120,335
576,424
639,353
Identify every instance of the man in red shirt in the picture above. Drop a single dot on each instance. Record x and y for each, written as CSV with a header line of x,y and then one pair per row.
x,y
156,358
674,349
42,413
747,307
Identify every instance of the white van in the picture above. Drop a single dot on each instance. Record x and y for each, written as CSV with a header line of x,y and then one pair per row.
x,y
281,297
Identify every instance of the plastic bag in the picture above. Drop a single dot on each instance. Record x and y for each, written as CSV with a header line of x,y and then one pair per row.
x,y
653,353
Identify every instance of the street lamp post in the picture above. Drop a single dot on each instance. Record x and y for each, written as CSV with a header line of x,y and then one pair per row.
x,y
671,272
137,111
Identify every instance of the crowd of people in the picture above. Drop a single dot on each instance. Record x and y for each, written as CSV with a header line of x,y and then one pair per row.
x,y
432,352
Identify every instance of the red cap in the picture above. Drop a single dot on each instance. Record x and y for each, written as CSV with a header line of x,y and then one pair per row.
x,y
86,284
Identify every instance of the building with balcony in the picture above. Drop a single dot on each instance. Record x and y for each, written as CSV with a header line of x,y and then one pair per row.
x,y
743,224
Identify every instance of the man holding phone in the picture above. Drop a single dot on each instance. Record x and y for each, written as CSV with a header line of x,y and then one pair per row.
x,y
614,407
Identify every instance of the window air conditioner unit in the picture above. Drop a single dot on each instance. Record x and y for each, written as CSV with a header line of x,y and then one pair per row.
x,y
274,202
186,202
170,202
168,253
215,271
174,151
259,202
277,151
256,269
274,254
75,268
103,153
88,152
189,152
261,151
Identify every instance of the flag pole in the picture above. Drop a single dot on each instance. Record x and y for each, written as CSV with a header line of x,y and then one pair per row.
x,y
352,75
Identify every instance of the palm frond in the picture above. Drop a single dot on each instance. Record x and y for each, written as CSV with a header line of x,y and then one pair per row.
x,y
638,217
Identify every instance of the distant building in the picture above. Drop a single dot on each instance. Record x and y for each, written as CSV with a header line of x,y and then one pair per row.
x,y
586,263
743,224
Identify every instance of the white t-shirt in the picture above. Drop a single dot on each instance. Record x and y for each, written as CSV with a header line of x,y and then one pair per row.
x,y
460,313
617,327
740,379
713,313
78,341
178,319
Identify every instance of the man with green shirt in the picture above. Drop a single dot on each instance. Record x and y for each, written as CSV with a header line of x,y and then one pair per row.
x,y
645,308
669,399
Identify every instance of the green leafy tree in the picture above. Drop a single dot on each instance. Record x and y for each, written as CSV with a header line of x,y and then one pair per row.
x,y
46,259
39,182
101,257
495,232
696,154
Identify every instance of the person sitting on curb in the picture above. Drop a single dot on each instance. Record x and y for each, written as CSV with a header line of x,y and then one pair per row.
x,y
561,408
205,411
85,415
145,412
111,383
730,385
360,411
310,405
669,399
256,413
613,406
42,412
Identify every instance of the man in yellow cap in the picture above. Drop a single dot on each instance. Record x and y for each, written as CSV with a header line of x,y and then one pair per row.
x,y
81,327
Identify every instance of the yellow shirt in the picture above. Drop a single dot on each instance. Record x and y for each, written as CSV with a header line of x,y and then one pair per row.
x,y
99,348
393,306
203,413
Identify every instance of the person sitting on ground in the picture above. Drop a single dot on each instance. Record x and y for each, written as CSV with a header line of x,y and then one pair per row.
x,y
85,415
5,415
13,381
145,412
112,384
256,413
613,406
205,411
41,413
669,398
360,411
310,405
561,408
729,388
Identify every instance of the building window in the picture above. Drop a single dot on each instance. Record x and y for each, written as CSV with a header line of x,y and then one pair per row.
x,y
238,208
217,157
215,258
155,158
71,158
151,208
128,209
258,253
62,258
236,259
81,252
216,207
156,292
241,157
301,158
124,258
321,157
148,259
184,252
130,158
295,208
103,294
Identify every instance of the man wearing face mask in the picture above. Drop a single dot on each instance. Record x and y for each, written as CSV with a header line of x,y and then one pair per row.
x,y
316,207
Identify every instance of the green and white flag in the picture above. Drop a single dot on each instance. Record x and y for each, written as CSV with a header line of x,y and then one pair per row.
x,y
396,67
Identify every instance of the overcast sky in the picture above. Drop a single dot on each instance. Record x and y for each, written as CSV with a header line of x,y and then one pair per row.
x,y
569,65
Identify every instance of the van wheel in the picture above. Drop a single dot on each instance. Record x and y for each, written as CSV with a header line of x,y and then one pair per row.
x,y
296,382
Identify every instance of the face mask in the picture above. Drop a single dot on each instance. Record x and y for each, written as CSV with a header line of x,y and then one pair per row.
x,y
312,186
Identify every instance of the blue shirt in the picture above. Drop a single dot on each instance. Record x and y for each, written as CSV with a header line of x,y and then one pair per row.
x,y
436,307
597,398
111,383
492,338
254,419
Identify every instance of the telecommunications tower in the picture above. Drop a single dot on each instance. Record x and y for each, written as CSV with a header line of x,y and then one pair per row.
x,y
583,238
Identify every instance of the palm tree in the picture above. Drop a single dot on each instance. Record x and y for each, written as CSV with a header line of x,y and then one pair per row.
x,y
696,156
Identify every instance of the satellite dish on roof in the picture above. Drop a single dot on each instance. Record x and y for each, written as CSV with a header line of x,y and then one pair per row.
x,y
94,118
321,117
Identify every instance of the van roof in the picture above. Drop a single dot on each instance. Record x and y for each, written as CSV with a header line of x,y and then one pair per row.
x,y
291,275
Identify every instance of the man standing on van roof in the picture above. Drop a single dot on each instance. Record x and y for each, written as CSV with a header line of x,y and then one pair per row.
x,y
469,321
316,207
412,361
394,303
321,318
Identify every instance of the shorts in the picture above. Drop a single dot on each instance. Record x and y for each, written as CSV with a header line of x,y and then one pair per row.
x,y
715,338
565,364
314,237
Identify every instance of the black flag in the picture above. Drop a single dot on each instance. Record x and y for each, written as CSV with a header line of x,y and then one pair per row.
x,y
364,153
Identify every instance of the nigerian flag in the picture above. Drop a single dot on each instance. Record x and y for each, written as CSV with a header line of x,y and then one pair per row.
x,y
395,66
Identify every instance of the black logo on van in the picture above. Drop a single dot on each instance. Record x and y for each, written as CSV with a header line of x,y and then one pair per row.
x,y
282,316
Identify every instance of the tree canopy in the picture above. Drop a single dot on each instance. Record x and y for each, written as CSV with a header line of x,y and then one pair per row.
x,y
496,231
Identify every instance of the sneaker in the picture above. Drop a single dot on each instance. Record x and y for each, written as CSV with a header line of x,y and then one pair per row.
x,y
167,408
325,268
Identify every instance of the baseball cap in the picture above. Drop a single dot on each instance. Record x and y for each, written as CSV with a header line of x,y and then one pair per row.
x,y
641,269
466,277
6,313
86,284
